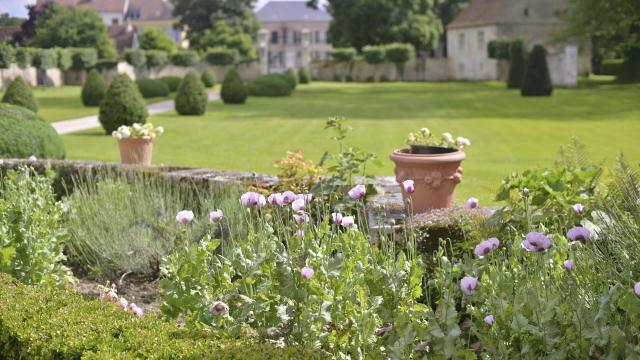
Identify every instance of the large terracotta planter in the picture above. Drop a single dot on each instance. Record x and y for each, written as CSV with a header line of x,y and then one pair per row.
x,y
136,151
435,177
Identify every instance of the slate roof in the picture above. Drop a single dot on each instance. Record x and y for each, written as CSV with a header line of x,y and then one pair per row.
x,y
480,12
282,11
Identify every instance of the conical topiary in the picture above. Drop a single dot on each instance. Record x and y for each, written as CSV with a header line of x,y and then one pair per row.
x,y
518,66
191,98
303,76
234,90
19,93
122,105
537,81
93,89
208,79
292,78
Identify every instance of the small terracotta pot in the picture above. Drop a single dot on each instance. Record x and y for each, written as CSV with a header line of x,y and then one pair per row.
x,y
136,151
435,177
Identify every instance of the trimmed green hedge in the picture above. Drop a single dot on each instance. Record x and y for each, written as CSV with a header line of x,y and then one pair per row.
x,y
233,91
292,78
150,88
41,323
343,54
156,58
222,56
122,105
517,66
45,59
303,76
173,82
83,58
374,54
208,79
537,81
135,57
24,56
399,53
611,67
498,49
270,85
7,55
23,133
64,58
185,58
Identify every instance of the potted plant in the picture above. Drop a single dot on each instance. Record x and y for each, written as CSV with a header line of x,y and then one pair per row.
x,y
429,170
136,142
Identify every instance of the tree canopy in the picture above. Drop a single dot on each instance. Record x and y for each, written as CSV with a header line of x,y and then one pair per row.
x,y
371,22
156,39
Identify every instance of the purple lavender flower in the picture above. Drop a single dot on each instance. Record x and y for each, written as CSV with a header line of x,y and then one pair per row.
x,y
468,285
578,208
578,233
306,273
357,192
219,308
489,320
568,265
536,242
472,203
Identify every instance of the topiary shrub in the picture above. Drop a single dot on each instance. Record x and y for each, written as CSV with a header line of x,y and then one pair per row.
x,y
83,58
630,69
156,58
400,54
233,91
303,76
373,54
7,55
517,67
93,89
23,133
191,98
19,93
173,82
122,105
270,85
185,58
537,81
136,58
45,59
208,79
222,56
24,57
343,54
292,78
64,58
150,88
105,65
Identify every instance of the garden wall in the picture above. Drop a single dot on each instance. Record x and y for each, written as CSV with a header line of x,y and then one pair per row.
x,y
419,69
7,75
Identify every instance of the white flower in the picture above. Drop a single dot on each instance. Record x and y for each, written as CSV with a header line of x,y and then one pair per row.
x,y
412,138
425,132
462,142
184,217
159,130
447,137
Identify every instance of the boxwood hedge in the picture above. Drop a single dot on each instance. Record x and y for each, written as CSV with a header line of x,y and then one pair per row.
x,y
270,85
23,133
173,82
150,88
42,323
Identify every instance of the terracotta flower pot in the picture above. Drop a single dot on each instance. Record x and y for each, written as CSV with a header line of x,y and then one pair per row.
x,y
435,177
136,151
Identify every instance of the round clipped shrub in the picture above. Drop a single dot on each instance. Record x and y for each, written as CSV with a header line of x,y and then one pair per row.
x,y
19,93
222,56
64,58
185,58
208,79
343,54
173,82
373,54
303,76
233,91
191,98
83,58
292,78
122,105
135,57
93,89
537,81
270,85
23,133
517,66
150,88
7,55
45,59
156,58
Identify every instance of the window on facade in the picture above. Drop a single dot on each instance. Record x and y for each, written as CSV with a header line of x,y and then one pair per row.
x,y
274,37
288,37
481,44
297,37
461,41
319,37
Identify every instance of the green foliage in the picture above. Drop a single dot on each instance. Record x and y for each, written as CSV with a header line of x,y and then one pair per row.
x,y
42,323
151,88
73,26
208,79
136,58
499,49
122,105
374,54
343,54
611,67
399,53
156,58
303,76
185,58
8,20
7,55
24,57
173,82
45,59
156,39
94,89
19,93
64,58
537,81
23,133
234,90
105,65
518,65
270,85
292,78
32,228
222,56
83,59
630,69
192,97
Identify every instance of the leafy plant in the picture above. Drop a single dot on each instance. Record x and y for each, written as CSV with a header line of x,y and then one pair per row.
x,y
297,173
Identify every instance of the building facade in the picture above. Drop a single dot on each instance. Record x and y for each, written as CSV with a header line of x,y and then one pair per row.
x,y
292,34
533,21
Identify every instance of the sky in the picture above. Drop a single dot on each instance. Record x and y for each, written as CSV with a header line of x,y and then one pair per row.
x,y
17,7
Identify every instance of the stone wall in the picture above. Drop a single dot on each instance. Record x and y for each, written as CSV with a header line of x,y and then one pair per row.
x,y
419,69
7,75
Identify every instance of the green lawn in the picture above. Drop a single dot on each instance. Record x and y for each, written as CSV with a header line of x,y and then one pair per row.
x,y
508,132
64,103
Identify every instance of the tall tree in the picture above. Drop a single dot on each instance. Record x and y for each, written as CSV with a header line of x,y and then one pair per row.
x,y
229,23
370,22
8,20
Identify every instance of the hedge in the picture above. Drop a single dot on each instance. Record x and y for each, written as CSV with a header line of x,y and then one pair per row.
x,y
185,58
537,81
103,65
398,53
173,82
22,134
222,56
64,58
270,85
150,88
136,58
611,67
83,58
24,57
517,67
630,68
373,54
122,105
292,78
44,323
498,49
45,59
19,93
156,58
233,91
7,55
191,98
343,54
